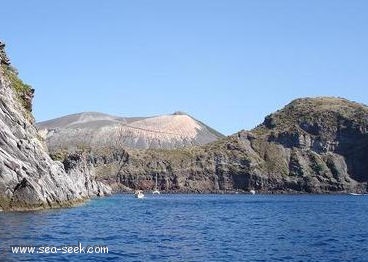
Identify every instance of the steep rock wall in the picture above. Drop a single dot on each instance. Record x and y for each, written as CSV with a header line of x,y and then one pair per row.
x,y
29,178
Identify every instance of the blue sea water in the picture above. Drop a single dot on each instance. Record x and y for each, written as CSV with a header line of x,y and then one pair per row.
x,y
197,228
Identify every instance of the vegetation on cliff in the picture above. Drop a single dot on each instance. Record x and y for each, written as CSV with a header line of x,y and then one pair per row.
x,y
23,91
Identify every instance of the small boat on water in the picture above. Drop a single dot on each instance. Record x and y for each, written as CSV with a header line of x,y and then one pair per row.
x,y
356,194
139,194
252,192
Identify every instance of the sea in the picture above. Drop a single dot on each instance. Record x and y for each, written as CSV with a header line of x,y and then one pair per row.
x,y
192,227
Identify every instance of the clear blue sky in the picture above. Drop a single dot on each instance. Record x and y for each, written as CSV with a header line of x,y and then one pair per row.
x,y
228,63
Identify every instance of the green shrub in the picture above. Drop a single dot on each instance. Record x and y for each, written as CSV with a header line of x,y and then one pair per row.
x,y
16,83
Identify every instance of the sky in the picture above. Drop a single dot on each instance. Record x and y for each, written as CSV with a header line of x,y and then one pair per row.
x,y
228,63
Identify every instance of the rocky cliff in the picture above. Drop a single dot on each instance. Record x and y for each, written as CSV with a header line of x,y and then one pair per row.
x,y
96,130
29,179
313,145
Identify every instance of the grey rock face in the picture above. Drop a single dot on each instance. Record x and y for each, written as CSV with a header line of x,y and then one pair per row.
x,y
97,130
29,179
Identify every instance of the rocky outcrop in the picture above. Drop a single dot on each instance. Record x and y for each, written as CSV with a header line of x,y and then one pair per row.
x,y
313,145
95,130
4,60
29,178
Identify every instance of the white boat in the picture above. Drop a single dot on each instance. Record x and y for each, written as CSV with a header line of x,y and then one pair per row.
x,y
139,194
156,190
355,194
252,192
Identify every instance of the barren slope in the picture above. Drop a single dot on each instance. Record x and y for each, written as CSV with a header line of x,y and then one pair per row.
x,y
99,130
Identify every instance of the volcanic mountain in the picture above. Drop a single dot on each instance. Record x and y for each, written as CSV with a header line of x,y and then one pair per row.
x,y
98,130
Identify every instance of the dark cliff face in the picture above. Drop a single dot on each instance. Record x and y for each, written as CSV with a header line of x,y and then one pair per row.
x,y
311,145
29,179
324,126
